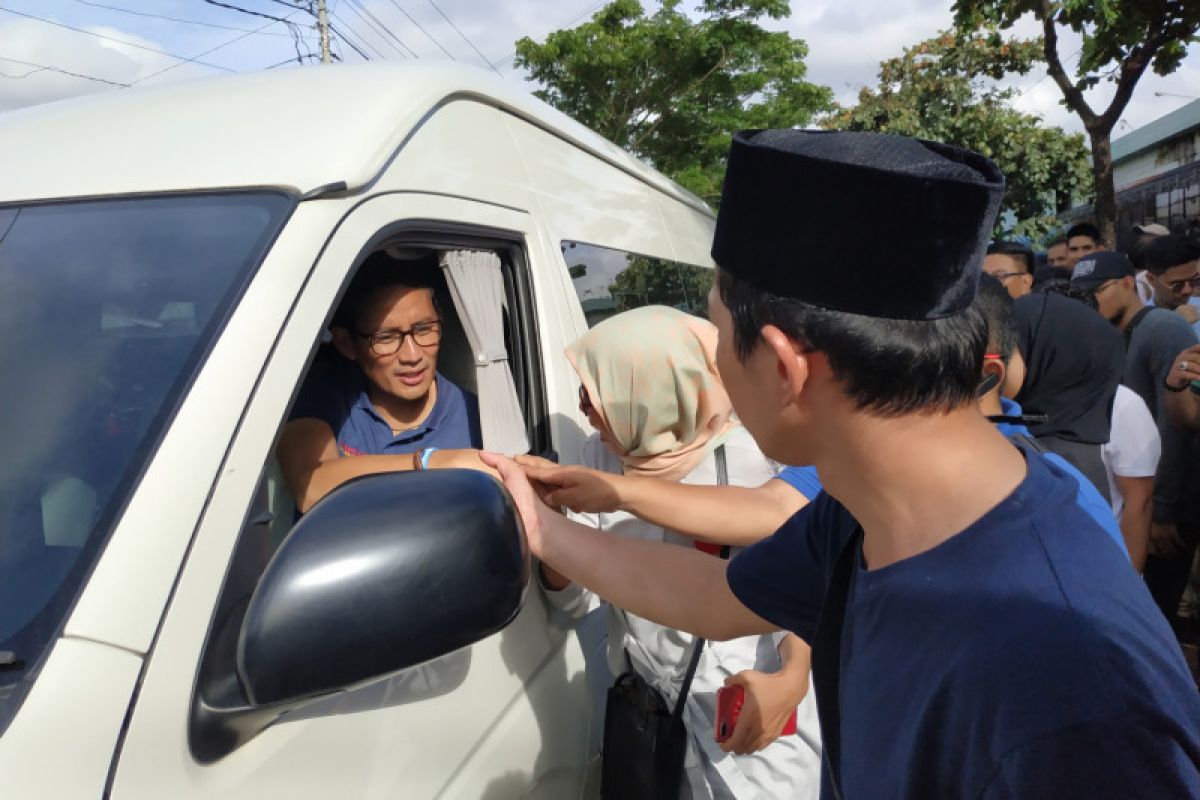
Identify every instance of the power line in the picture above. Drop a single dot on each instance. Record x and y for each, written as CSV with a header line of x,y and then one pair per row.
x,y
568,24
422,30
464,36
171,19
365,42
117,41
375,30
62,71
364,12
214,49
344,38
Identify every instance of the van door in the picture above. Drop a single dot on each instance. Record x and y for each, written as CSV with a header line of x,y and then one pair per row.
x,y
507,717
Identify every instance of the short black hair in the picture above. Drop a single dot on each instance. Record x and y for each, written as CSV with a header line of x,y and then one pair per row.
x,y
1163,252
1085,296
1014,249
995,304
1084,229
380,271
889,367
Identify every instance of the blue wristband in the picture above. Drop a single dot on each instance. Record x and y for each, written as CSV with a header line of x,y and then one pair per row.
x,y
425,454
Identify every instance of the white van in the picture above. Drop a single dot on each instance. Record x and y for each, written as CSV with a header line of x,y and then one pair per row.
x,y
170,259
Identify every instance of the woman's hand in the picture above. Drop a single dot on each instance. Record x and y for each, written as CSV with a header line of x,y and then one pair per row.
x,y
770,700
577,488
460,459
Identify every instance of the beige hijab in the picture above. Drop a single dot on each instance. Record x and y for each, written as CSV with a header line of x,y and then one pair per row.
x,y
651,376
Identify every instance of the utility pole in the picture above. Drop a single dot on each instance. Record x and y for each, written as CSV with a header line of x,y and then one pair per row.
x,y
323,27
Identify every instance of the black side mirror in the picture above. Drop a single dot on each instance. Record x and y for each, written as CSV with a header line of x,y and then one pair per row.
x,y
386,572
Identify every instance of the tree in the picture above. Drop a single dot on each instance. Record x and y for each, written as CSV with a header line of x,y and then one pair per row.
x,y
944,89
650,281
1121,40
672,90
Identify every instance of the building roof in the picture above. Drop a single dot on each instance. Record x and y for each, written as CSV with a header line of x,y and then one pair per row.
x,y
300,128
1181,120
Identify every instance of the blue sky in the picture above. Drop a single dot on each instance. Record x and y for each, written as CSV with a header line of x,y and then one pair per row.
x,y
847,40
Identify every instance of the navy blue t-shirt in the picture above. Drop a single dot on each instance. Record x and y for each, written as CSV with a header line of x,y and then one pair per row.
x,y
335,392
1019,658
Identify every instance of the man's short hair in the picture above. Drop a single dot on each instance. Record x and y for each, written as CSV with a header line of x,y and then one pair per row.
x,y
1084,229
1056,241
888,367
1015,250
1163,252
380,271
995,304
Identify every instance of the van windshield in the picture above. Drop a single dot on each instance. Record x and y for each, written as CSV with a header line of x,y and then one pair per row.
x,y
107,309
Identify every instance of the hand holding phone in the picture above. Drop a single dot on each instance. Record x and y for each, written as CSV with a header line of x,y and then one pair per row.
x,y
729,705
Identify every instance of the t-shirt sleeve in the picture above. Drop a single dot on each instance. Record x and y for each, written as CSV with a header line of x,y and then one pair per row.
x,y
783,577
803,479
1113,758
1135,445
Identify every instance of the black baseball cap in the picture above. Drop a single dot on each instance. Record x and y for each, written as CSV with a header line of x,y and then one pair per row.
x,y
1096,268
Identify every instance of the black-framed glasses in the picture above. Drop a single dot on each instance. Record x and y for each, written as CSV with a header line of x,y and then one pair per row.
x,y
585,402
388,342
1177,286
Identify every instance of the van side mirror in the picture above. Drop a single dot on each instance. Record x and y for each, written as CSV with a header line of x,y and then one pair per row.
x,y
386,572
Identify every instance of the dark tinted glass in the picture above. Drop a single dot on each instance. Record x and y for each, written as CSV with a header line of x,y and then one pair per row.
x,y
108,308
610,281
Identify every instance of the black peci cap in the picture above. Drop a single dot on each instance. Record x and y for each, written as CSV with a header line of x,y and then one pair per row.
x,y
866,223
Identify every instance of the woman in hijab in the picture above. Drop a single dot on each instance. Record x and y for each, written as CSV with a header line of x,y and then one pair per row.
x,y
650,388
1073,361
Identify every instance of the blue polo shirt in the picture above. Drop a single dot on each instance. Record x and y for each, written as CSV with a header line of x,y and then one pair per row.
x,y
336,393
1019,658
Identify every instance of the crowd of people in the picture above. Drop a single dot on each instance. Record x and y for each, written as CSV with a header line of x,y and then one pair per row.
x,y
934,502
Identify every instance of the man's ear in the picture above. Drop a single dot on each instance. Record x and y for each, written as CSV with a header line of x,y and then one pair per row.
x,y
790,361
343,343
994,373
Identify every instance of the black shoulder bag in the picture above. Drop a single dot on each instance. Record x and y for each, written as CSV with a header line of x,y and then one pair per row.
x,y
645,741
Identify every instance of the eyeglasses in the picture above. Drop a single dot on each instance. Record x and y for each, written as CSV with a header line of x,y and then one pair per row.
x,y
388,342
1096,292
1177,286
1003,276
585,402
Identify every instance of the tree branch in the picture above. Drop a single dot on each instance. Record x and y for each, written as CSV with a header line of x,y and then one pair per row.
x,y
1132,69
720,63
1071,92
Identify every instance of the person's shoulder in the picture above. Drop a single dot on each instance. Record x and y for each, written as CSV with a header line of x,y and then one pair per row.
x,y
594,454
332,385
1166,324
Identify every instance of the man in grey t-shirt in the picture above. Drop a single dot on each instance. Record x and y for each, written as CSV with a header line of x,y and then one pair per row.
x,y
1153,338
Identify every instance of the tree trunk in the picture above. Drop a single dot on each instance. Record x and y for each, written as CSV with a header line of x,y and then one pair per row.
x,y
1105,207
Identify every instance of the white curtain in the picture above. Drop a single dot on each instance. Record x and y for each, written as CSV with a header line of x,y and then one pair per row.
x,y
477,287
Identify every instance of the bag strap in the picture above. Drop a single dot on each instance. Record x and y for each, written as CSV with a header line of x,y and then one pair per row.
x,y
827,656
685,687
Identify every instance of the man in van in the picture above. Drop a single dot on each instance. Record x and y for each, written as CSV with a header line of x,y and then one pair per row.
x,y
375,401
973,632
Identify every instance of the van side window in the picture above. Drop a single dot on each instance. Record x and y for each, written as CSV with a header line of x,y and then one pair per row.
x,y
609,281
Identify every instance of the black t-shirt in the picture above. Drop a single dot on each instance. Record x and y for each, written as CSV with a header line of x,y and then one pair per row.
x,y
1020,658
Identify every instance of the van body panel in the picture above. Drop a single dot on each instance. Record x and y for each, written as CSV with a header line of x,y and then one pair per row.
x,y
123,601
61,743
242,130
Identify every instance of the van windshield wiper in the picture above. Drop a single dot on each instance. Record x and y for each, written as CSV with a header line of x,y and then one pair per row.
x,y
9,661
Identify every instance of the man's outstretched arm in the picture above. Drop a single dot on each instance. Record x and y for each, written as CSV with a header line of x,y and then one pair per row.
x,y
673,586
733,515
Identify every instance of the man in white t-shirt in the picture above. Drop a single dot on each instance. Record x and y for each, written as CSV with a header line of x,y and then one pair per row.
x,y
1131,460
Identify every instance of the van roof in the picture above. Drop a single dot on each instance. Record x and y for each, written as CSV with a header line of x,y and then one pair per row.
x,y
299,128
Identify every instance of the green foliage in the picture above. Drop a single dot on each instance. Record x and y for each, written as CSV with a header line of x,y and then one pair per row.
x,y
942,89
672,90
650,281
1121,39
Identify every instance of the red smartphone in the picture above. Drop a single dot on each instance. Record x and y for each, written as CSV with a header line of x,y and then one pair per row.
x,y
729,706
